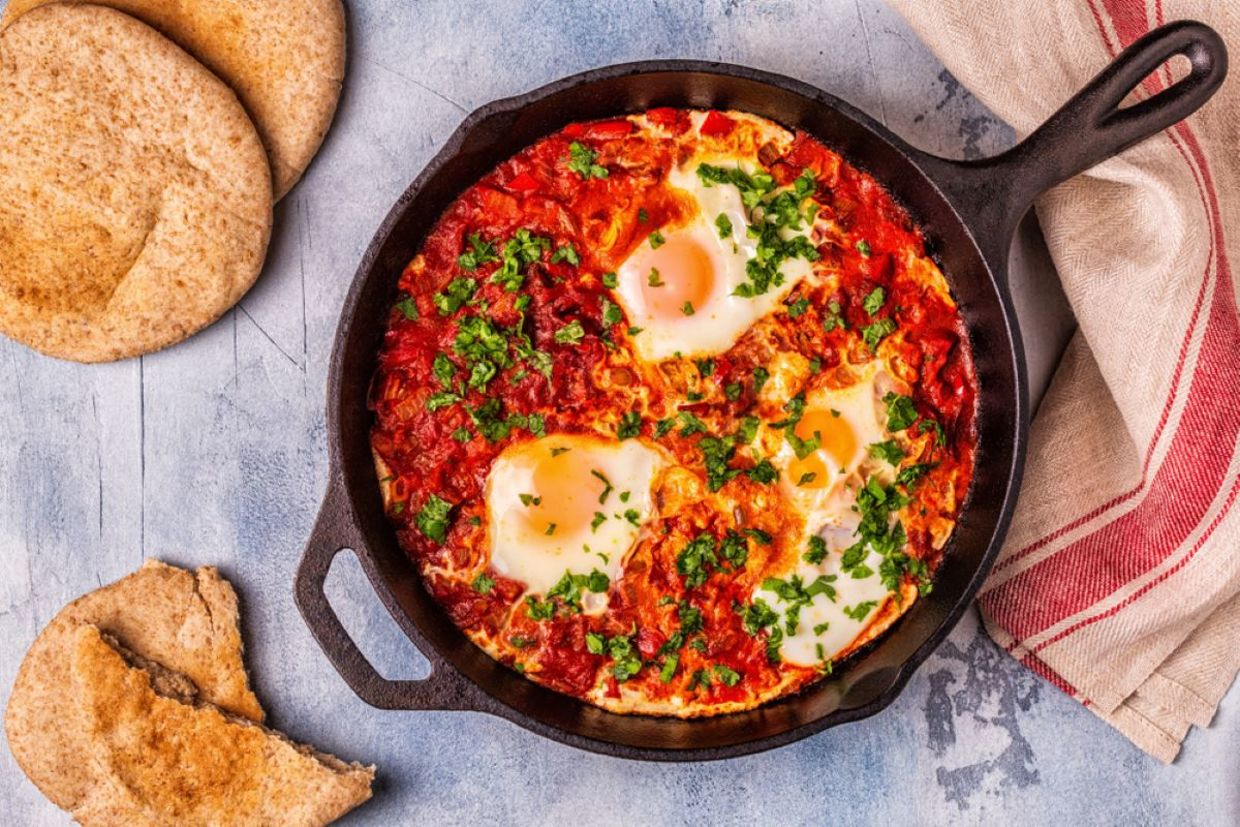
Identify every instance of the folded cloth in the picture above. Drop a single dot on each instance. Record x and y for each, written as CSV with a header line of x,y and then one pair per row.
x,y
1120,579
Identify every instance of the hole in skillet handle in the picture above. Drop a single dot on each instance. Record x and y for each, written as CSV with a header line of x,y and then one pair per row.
x,y
1092,126
993,194
334,532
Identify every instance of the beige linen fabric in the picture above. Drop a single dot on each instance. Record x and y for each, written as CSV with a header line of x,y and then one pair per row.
x,y
1120,579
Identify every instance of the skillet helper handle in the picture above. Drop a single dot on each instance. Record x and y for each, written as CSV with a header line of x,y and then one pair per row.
x,y
334,532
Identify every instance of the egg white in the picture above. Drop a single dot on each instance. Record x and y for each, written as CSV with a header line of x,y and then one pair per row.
x,y
540,560
829,513
720,321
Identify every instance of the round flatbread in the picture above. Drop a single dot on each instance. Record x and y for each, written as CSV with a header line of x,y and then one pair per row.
x,y
135,196
187,621
285,60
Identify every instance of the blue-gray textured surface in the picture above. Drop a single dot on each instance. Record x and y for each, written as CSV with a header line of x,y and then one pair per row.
x,y
213,453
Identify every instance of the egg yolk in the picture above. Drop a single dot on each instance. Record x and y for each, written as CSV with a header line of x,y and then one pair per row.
x,y
565,494
683,276
835,439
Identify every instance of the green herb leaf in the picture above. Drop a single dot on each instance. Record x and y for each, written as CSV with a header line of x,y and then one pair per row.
x,y
630,425
874,302
889,451
570,334
581,161
900,411
432,519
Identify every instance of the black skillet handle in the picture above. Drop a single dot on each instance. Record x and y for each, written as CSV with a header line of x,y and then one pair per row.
x,y
333,532
993,194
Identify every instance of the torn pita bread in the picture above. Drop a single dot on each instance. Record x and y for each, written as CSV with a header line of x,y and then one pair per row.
x,y
187,621
285,61
135,195
164,758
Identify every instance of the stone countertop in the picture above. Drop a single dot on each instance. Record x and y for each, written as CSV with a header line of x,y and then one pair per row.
x,y
214,453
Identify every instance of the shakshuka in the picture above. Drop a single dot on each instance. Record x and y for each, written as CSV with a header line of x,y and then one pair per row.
x,y
674,412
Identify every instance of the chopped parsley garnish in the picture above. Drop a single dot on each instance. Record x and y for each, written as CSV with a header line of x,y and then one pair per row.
x,y
529,499
764,472
817,550
770,213
607,486
599,519
630,425
407,308
642,215
632,516
455,295
669,668
807,478
757,616
727,675
581,161
566,252
627,660
758,534
705,367
432,519
656,240
610,280
912,473
595,643
480,252
550,529
696,559
747,429
900,411
569,587
570,334
940,438
611,312
690,424
888,451
863,247
732,391
760,375
539,609
734,549
443,369
663,426
724,225
441,399
653,279
874,302
522,249
833,319
687,309
462,434
874,333
483,584
859,612
797,309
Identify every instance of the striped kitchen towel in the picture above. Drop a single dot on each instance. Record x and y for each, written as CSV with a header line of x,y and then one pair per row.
x,y
1120,579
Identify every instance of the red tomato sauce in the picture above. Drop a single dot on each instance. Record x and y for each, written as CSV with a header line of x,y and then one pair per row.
x,y
433,447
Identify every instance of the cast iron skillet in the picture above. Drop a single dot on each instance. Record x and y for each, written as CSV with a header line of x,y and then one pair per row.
x,y
969,212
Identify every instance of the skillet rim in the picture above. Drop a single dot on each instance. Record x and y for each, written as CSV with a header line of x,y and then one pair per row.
x,y
342,495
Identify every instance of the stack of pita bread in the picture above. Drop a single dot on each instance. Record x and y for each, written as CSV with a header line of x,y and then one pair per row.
x,y
142,146
133,707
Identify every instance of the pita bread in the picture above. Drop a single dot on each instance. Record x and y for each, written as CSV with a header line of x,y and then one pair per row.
x,y
187,621
168,760
285,60
135,198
